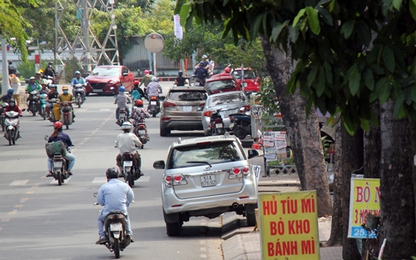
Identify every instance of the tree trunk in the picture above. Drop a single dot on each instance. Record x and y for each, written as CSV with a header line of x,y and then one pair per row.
x,y
349,160
397,202
302,130
372,148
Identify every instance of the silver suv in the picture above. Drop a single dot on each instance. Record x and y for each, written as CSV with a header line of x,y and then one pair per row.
x,y
206,176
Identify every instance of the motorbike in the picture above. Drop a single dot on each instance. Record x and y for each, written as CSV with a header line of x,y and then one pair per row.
x,y
115,232
216,123
43,105
12,126
2,116
122,116
33,100
195,81
50,79
66,114
55,151
140,132
240,124
131,171
154,106
78,91
53,101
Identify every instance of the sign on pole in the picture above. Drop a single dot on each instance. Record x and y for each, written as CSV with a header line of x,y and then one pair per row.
x,y
289,225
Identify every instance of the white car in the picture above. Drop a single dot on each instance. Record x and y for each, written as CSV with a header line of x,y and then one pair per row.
x,y
227,103
206,176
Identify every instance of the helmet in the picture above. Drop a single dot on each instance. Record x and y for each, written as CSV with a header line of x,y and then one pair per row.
x,y
154,79
121,89
32,77
180,73
204,56
126,126
227,70
44,82
53,86
112,173
50,63
57,125
12,102
40,71
138,102
77,72
202,63
146,72
64,88
10,91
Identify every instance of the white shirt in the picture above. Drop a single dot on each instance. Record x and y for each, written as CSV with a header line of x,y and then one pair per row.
x,y
127,143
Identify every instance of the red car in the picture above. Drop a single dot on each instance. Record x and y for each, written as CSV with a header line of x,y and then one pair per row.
x,y
223,82
251,80
108,78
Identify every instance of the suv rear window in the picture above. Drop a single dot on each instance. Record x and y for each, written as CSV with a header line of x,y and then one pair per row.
x,y
205,153
222,84
188,95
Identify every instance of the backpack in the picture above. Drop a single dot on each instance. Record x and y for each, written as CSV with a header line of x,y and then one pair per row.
x,y
55,148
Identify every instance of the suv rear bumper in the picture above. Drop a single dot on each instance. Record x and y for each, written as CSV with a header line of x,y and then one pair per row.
x,y
182,125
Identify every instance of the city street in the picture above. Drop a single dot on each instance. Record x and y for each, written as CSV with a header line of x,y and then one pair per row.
x,y
41,220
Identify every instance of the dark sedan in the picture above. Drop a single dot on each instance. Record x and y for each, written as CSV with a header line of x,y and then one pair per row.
x,y
108,78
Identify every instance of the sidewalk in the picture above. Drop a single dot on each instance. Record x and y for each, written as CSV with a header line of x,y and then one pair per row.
x,y
244,243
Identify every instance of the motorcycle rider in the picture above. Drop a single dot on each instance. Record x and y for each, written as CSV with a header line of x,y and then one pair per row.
x,y
147,78
58,135
139,114
33,85
201,73
153,89
180,80
78,80
43,90
122,100
13,107
114,195
9,95
38,76
53,94
15,85
127,143
65,96
50,71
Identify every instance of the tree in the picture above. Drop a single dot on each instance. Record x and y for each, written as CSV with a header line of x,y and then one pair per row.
x,y
349,55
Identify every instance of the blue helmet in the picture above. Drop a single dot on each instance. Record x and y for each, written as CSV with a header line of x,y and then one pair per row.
x,y
10,91
122,89
202,63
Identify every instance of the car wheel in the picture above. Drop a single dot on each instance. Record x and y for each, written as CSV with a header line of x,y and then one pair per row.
x,y
164,132
173,224
239,131
250,214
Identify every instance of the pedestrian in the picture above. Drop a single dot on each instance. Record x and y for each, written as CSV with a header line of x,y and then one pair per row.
x,y
15,85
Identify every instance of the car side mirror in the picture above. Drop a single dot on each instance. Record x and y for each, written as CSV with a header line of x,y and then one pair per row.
x,y
252,153
159,164
162,97
125,74
46,137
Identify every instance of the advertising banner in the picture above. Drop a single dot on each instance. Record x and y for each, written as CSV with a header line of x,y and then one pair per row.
x,y
289,225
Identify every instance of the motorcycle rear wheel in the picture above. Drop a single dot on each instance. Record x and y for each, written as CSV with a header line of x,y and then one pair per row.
x,y
79,101
131,178
116,248
239,131
60,178
42,113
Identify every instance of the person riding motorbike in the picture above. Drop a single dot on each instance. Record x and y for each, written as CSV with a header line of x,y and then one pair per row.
x,y
49,71
65,96
6,97
78,80
43,90
15,85
114,195
180,80
122,100
58,135
53,94
153,89
201,73
147,78
139,114
32,85
38,77
13,107
127,143
137,93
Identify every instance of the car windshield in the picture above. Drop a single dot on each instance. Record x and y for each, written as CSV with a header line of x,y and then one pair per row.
x,y
204,154
188,95
248,74
221,84
106,71
226,99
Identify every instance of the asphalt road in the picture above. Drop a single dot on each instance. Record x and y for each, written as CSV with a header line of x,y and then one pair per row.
x,y
41,220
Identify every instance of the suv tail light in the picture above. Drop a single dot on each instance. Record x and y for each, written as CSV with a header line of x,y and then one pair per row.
x,y
175,180
168,104
208,113
239,172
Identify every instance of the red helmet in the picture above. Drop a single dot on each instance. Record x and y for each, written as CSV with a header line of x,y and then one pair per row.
x,y
227,70
139,103
57,125
146,72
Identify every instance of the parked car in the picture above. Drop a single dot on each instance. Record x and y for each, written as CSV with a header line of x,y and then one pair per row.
x,y
180,109
108,78
218,83
228,103
206,176
251,81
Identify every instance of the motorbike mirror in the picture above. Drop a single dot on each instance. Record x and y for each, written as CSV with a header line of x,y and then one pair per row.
x,y
159,164
94,194
252,153
46,137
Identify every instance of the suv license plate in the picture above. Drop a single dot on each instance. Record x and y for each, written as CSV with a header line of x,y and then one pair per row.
x,y
208,180
142,132
187,108
219,125
57,164
128,163
116,227
153,103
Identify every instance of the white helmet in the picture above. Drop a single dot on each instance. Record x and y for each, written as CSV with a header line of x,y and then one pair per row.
x,y
126,126
204,56
154,79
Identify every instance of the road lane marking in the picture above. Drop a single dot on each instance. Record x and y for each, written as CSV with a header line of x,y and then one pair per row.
x,y
105,109
22,200
13,212
18,206
19,183
5,220
99,180
30,192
